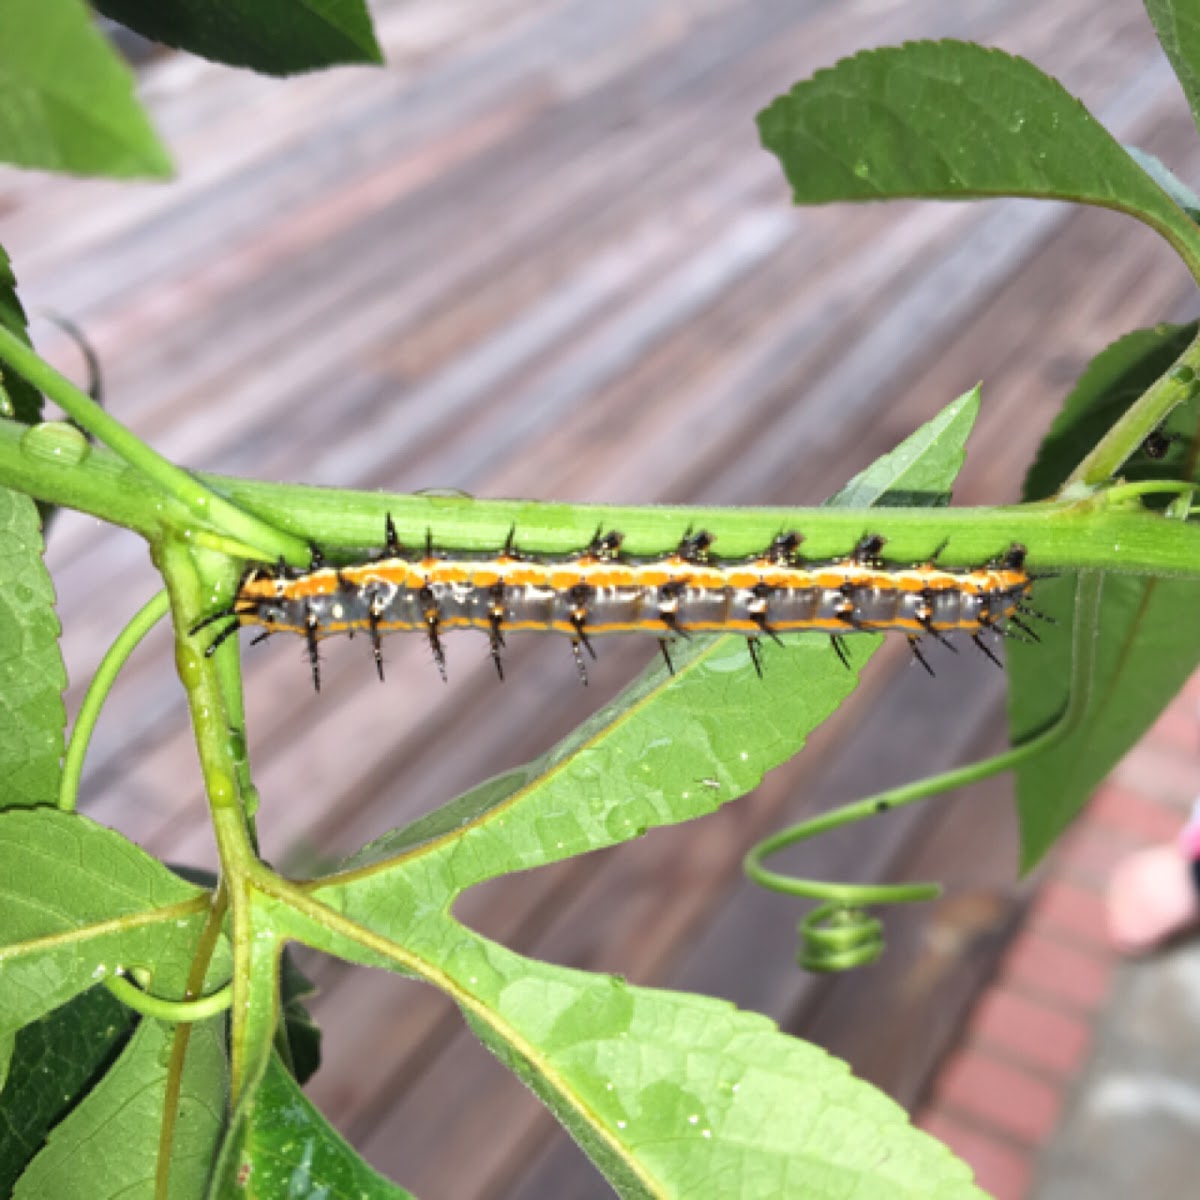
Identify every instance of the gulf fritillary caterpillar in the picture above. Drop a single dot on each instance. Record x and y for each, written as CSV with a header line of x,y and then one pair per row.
x,y
600,590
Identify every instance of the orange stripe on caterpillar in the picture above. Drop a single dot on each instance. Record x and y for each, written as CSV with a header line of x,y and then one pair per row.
x,y
599,591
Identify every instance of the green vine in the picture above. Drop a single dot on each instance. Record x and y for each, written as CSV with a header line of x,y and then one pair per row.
x,y
106,674
1105,530
1177,386
839,935
174,1011
201,504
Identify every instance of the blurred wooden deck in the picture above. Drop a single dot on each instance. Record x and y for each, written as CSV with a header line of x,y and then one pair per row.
x,y
543,255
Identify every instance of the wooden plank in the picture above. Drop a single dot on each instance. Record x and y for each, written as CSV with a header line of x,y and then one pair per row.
x,y
549,259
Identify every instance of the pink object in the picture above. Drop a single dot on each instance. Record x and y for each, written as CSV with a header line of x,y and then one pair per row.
x,y
1189,835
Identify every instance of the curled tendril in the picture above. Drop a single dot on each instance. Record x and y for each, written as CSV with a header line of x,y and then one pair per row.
x,y
106,674
834,937
840,934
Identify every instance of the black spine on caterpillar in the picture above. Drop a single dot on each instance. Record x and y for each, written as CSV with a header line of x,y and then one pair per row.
x,y
599,590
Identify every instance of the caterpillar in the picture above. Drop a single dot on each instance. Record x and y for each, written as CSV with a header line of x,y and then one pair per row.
x,y
600,590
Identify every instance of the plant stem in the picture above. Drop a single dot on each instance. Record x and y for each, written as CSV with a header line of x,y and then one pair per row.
x,y
169,1010
1080,534
206,947
110,667
216,722
1106,458
197,500
1150,487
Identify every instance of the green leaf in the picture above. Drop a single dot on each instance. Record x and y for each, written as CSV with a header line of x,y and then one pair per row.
x,y
277,37
1177,24
32,716
109,1147
17,398
56,1062
1110,383
951,120
66,98
79,901
671,748
679,1095
917,473
1143,644
285,1149
1123,654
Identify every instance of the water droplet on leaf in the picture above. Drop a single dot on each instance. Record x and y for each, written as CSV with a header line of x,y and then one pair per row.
x,y
57,442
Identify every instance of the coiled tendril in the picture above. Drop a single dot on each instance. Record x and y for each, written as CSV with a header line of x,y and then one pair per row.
x,y
839,934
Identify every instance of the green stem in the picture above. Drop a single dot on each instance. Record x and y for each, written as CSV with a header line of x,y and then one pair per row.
x,y
1108,455
206,947
1150,487
110,667
1082,534
229,681
216,716
211,719
198,500
175,1011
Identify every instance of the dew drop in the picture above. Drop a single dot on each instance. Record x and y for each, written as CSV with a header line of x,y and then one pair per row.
x,y
188,663
221,789
56,442
444,494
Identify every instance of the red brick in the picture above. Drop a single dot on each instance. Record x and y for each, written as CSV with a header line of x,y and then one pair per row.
x,y
1179,726
1088,854
1171,775
1000,1169
1043,966
1072,913
1004,1097
1030,1032
1134,814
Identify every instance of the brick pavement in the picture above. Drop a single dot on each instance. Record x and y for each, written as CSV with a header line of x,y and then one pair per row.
x,y
1078,1074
